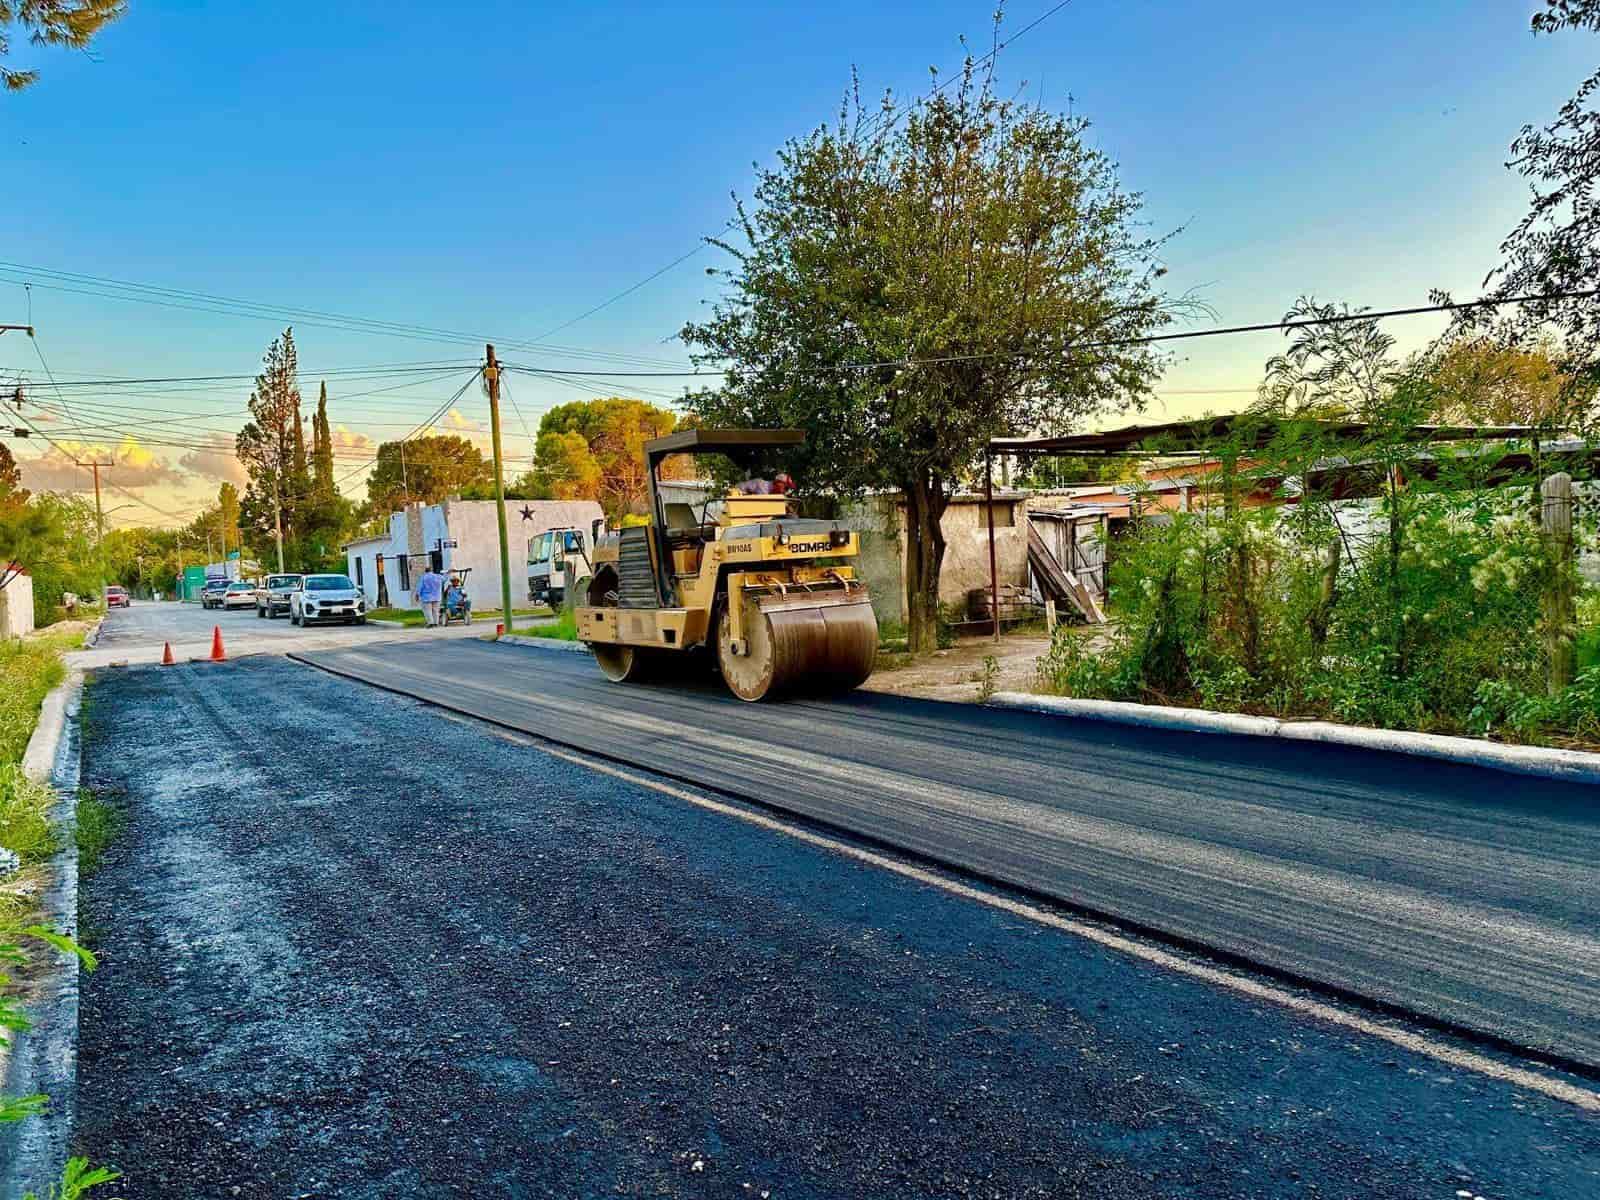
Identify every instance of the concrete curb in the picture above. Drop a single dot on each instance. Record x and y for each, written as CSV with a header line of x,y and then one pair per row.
x,y
1575,766
93,636
45,1058
517,639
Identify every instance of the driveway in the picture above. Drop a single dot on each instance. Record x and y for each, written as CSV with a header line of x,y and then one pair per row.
x,y
352,946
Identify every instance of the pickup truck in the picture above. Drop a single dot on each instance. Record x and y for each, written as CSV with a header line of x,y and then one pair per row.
x,y
275,593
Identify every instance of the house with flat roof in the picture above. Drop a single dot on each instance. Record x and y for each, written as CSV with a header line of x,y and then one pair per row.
x,y
458,535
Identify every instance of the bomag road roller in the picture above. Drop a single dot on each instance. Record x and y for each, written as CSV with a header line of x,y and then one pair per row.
x,y
774,597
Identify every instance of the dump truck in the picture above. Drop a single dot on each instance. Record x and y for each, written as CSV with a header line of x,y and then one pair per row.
x,y
772,596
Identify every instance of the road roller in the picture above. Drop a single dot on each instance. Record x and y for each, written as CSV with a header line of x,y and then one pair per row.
x,y
772,596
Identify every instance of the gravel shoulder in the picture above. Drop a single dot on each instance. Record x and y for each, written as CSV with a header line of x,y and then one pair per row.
x,y
352,947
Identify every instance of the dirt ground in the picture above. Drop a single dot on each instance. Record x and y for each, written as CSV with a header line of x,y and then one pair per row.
x,y
957,673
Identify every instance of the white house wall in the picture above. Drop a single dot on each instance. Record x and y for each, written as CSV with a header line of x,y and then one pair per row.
x,y
471,525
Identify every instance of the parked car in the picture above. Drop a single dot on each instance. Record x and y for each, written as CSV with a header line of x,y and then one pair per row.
x,y
239,595
272,597
116,597
328,598
211,595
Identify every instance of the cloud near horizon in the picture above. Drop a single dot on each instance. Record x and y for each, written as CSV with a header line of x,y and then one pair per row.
x,y
133,466
217,461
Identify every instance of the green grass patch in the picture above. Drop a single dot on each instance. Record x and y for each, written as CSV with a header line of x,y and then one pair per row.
x,y
412,617
25,826
99,822
564,628
28,670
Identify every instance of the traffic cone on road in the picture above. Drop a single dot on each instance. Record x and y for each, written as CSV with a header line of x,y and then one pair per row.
x,y
166,655
217,654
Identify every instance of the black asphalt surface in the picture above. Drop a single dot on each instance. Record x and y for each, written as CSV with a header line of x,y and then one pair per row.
x,y
1468,896
353,947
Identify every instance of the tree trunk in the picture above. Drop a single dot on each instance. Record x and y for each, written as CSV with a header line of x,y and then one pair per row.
x,y
925,505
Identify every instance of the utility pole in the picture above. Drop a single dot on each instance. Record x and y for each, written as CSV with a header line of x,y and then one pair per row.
x,y
491,375
277,519
99,523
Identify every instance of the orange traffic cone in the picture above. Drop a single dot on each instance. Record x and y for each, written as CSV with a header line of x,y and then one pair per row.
x,y
217,654
166,655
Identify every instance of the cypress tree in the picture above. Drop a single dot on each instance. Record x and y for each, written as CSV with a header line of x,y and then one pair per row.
x,y
322,448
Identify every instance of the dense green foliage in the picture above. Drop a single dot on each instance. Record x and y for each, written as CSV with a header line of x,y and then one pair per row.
x,y
594,450
1451,643
916,280
1336,566
424,470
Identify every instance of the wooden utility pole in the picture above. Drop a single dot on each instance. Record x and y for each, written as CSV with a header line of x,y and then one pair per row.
x,y
1555,522
491,375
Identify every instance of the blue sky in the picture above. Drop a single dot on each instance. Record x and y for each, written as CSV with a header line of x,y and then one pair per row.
x,y
501,176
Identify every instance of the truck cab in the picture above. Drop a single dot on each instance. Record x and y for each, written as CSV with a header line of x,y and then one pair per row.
x,y
548,555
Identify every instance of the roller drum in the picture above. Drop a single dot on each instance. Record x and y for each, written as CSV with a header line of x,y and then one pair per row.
x,y
801,643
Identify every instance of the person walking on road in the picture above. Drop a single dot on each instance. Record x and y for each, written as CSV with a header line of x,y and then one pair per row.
x,y
429,588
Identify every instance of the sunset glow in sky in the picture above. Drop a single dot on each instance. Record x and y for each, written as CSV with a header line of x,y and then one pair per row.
x,y
499,177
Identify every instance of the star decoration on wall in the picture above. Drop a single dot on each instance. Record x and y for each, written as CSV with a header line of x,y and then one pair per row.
x,y
527,513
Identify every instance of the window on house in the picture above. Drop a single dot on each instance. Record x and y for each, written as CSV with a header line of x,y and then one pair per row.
x,y
436,559
360,577
405,572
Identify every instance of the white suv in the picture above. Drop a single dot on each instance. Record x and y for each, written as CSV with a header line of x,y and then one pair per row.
x,y
327,598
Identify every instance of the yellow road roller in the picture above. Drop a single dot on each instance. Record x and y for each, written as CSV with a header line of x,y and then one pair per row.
x,y
772,595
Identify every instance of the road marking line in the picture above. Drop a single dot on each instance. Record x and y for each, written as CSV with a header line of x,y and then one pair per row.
x,y
1452,1056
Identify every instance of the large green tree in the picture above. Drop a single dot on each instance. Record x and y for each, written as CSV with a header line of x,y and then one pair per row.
x,y
594,450
425,469
1555,249
272,451
68,24
12,493
972,269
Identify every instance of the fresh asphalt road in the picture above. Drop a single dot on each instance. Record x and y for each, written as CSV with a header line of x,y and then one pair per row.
x,y
354,947
1465,896
138,633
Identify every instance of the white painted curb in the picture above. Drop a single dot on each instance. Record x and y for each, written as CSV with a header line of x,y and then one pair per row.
x,y
518,639
1542,761
39,759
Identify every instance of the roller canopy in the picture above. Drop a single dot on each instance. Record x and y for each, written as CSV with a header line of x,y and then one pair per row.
x,y
735,443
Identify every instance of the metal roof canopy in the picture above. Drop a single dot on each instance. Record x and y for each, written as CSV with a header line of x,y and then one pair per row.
x,y
1192,436
721,441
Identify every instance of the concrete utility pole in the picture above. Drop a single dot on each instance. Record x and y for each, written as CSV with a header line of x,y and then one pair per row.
x,y
277,521
1555,520
99,524
491,375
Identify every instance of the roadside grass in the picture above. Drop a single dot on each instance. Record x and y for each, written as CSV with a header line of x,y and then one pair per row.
x,y
25,827
412,617
28,670
564,628
98,824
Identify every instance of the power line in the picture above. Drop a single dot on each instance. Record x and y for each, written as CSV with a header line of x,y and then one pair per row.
x,y
438,412
103,287
1107,343
730,223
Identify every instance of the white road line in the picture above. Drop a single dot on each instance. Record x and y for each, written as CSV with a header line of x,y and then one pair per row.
x,y
1442,1052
